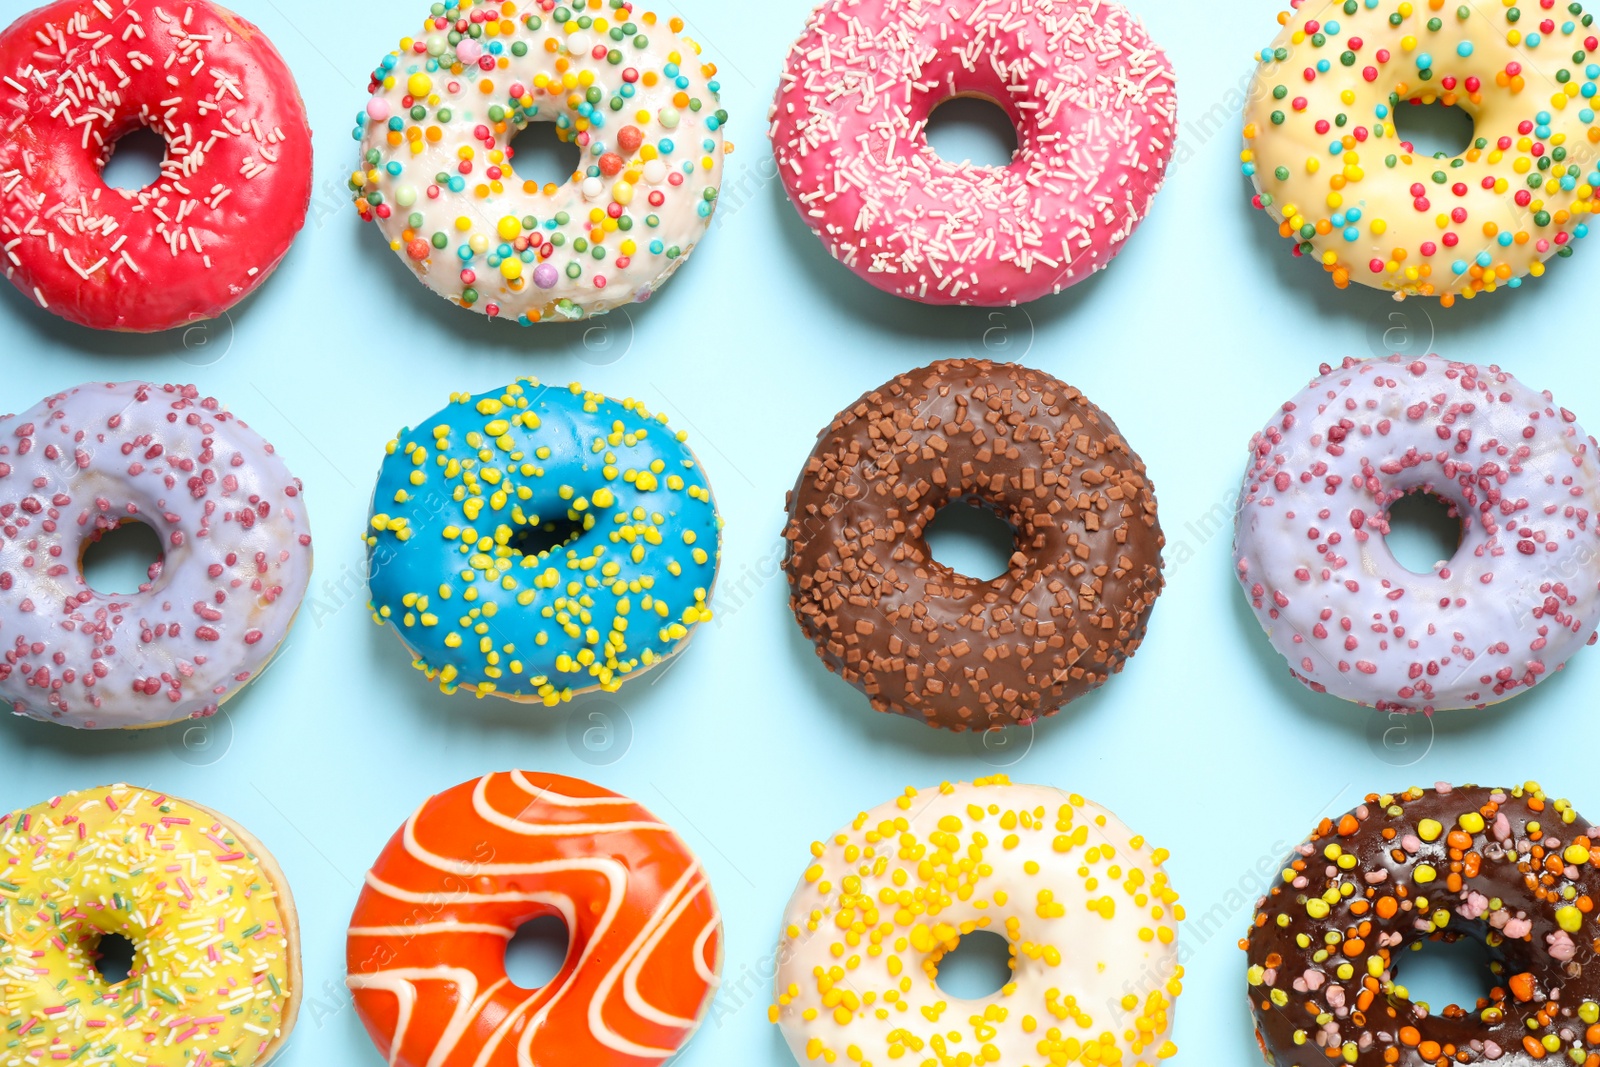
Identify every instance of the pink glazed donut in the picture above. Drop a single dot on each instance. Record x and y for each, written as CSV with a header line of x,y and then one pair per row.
x,y
1095,108
236,556
1520,595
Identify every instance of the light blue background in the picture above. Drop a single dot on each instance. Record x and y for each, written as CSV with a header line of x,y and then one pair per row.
x,y
1191,340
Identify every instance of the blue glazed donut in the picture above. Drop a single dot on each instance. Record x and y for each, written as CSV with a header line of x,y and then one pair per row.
x,y
541,541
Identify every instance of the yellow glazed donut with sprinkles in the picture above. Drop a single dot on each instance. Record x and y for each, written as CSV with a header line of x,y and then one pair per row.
x,y
1327,163
215,976
1084,902
624,87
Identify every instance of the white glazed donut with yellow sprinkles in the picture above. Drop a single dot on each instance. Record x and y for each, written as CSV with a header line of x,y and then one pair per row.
x,y
215,977
1084,903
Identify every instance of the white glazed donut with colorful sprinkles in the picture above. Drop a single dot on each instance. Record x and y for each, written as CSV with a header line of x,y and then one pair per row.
x,y
437,175
1085,904
236,556
1095,108
1518,598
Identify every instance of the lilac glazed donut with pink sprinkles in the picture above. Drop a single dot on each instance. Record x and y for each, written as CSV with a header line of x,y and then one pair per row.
x,y
236,556
1518,598
1093,101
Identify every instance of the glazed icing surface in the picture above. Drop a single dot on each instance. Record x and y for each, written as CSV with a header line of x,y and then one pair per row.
x,y
1520,595
1093,101
427,943
538,541
437,174
76,76
236,560
1088,910
922,640
1348,190
1510,868
213,935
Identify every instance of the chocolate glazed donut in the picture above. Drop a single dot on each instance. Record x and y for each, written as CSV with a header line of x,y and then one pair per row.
x,y
1508,867
916,637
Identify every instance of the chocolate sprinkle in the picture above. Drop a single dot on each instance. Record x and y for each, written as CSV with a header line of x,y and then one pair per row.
x,y
922,640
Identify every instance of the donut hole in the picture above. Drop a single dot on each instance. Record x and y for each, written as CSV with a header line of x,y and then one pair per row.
x,y
546,536
123,559
534,955
135,160
972,129
978,967
112,958
1442,973
971,539
537,154
1424,532
1436,130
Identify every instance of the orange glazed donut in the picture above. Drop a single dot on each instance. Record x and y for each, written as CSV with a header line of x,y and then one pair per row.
x,y
427,944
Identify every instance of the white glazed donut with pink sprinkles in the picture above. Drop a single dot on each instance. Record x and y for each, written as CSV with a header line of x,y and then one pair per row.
x,y
236,556
1094,103
1518,598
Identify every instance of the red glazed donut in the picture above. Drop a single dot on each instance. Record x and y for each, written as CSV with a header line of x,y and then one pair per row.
x,y
427,947
234,189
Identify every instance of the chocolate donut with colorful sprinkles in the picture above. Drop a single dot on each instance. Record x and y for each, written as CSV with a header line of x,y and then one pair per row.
x,y
1512,868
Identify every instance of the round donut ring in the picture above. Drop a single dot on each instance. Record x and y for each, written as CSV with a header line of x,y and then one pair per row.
x,y
427,943
1091,919
1329,166
1093,102
922,640
539,542
437,172
78,75
1511,868
1521,594
191,891
236,557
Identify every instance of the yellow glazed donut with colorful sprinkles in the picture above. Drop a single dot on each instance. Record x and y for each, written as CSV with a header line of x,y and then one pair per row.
x,y
1328,165
215,978
536,542
1085,904
625,88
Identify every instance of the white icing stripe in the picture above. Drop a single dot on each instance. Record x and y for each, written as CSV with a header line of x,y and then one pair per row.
x,y
460,1022
555,900
707,975
597,1024
630,977
502,1030
401,982
445,926
472,869
486,811
561,800
619,892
